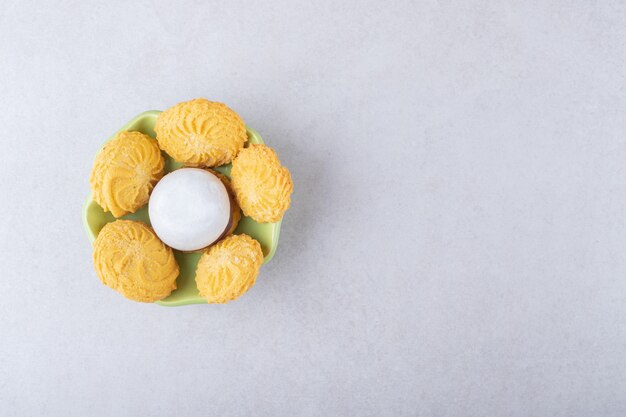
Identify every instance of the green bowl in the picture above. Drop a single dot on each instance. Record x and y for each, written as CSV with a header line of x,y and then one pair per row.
x,y
94,219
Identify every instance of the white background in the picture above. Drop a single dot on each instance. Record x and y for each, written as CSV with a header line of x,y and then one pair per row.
x,y
456,242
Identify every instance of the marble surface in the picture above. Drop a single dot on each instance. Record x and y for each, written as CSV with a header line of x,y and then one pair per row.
x,y
457,236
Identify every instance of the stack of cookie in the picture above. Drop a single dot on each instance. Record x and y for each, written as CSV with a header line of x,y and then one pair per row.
x,y
198,212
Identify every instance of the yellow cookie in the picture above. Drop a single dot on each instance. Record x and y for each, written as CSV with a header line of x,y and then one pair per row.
x,y
262,185
131,259
201,133
235,211
125,171
229,268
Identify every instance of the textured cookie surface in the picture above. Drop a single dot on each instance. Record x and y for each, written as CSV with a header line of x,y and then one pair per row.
x,y
262,185
201,133
130,258
235,211
229,268
125,171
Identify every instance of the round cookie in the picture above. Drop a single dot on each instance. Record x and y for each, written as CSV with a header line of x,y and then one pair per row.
x,y
235,211
229,268
125,171
262,185
201,133
130,258
190,209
